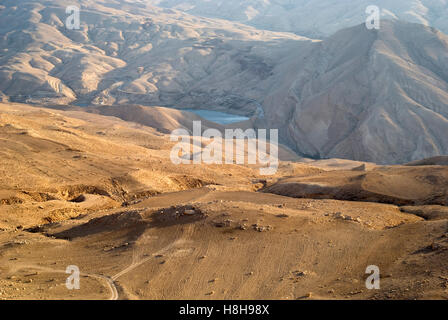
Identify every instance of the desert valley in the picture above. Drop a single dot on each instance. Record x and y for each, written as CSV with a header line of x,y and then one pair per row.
x,y
87,177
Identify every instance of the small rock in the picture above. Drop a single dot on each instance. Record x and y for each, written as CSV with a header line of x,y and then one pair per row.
x,y
189,212
220,224
300,273
339,215
242,227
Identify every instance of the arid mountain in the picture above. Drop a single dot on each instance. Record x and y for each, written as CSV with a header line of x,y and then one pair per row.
x,y
367,95
378,96
130,53
312,18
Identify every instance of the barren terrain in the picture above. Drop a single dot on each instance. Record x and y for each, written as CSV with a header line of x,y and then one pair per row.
x,y
84,189
86,146
366,95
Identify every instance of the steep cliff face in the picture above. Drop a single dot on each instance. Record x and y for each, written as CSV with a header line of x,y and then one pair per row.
x,y
379,96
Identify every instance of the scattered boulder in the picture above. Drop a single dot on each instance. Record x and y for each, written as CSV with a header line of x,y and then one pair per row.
x,y
259,228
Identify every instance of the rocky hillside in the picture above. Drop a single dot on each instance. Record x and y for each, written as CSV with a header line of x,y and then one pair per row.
x,y
378,96
134,54
312,18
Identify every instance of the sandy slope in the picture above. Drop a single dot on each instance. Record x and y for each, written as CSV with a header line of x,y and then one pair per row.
x,y
235,245
435,161
397,185
83,189
51,157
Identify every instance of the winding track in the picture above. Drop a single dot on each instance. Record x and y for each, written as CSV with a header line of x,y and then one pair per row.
x,y
110,281
136,264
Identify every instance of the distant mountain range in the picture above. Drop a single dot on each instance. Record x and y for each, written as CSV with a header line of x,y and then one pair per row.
x,y
310,17
379,96
135,55
370,95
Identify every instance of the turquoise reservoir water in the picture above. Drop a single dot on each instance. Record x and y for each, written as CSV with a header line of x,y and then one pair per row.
x,y
214,116
218,117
